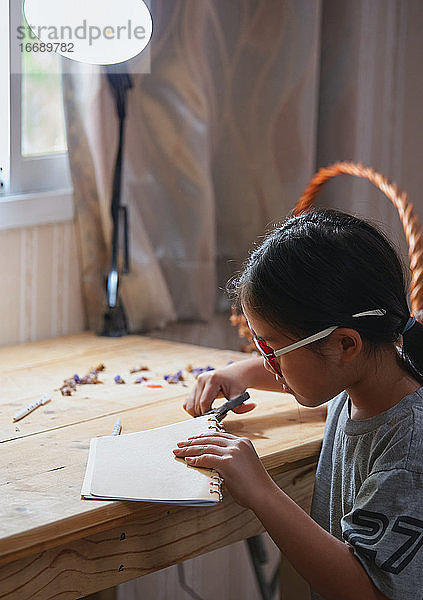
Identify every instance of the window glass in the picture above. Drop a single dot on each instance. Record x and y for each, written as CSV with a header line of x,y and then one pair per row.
x,y
43,123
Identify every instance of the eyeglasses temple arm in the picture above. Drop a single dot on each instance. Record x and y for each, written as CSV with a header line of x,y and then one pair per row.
x,y
308,340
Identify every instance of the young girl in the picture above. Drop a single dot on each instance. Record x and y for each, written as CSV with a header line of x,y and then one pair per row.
x,y
325,298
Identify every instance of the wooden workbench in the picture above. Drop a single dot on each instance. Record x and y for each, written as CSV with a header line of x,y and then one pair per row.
x,y
55,545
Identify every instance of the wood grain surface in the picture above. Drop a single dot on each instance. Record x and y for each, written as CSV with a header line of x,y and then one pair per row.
x,y
165,536
45,527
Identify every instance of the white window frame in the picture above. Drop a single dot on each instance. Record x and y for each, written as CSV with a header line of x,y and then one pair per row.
x,y
33,190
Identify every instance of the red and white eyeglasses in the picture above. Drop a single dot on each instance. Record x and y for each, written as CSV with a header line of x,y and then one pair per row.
x,y
271,355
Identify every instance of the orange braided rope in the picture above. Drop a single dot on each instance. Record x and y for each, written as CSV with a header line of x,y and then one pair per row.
x,y
412,229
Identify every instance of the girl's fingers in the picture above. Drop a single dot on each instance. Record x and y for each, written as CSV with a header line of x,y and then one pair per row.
x,y
210,392
199,393
207,461
199,441
215,434
199,450
211,385
201,398
190,402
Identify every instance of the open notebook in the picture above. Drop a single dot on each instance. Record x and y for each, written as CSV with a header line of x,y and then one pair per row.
x,y
141,466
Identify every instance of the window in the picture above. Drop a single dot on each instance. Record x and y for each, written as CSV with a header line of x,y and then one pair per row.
x,y
4,95
34,177
43,120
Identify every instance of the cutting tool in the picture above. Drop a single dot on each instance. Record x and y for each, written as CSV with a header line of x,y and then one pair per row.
x,y
223,410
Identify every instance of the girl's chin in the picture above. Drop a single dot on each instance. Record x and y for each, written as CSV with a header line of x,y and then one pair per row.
x,y
284,386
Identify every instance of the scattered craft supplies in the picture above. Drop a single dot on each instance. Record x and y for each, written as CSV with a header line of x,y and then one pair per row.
x,y
28,409
70,385
176,378
138,369
117,427
160,476
91,378
196,371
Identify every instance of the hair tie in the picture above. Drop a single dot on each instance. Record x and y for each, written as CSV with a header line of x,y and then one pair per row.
x,y
410,323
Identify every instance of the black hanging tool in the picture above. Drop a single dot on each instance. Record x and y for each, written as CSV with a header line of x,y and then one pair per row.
x,y
115,321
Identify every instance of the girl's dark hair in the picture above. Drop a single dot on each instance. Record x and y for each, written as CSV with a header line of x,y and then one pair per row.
x,y
319,269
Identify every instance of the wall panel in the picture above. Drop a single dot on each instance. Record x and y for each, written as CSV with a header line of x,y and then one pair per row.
x,y
41,295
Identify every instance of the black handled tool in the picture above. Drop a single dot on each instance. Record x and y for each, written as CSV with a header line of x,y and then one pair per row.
x,y
223,410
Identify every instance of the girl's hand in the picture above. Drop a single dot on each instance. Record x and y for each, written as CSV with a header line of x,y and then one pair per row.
x,y
234,458
228,382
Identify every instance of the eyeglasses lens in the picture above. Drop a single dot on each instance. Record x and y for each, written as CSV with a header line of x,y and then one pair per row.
x,y
267,353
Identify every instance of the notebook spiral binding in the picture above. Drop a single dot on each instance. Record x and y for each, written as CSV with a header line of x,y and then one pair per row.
x,y
216,484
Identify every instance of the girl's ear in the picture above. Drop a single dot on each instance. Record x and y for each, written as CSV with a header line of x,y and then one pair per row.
x,y
349,343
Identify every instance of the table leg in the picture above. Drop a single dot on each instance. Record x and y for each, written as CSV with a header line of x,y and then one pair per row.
x,y
259,558
292,585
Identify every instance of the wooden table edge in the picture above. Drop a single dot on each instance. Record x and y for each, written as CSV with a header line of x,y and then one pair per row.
x,y
117,513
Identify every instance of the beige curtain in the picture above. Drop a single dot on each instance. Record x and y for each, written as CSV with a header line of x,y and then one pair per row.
x,y
370,103
220,141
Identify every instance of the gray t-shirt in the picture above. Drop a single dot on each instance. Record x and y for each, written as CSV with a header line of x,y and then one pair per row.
x,y
369,491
